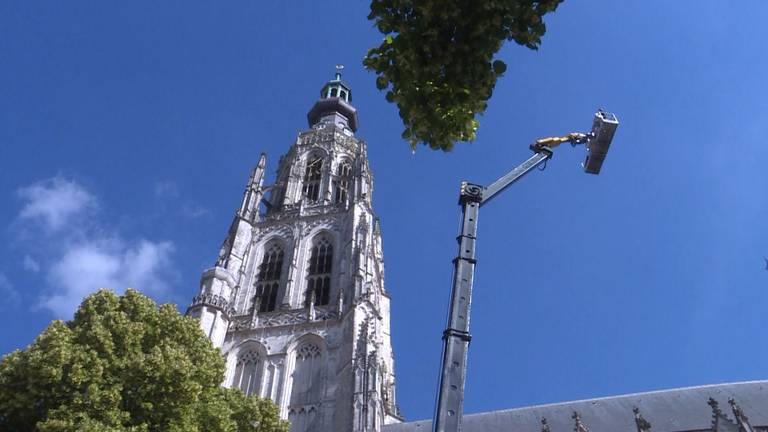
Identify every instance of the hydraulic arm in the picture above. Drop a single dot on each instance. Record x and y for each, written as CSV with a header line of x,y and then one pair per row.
x,y
456,337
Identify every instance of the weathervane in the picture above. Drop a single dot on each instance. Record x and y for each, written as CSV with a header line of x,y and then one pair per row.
x,y
339,68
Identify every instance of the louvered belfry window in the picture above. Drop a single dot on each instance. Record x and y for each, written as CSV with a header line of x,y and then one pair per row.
x,y
312,176
319,274
269,278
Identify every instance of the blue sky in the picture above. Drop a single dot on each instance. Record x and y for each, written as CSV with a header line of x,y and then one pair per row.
x,y
128,130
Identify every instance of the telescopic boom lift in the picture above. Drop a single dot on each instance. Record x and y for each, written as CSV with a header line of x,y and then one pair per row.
x,y
456,337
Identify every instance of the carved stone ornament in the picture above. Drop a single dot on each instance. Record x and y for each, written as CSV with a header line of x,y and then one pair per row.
x,y
578,425
326,135
214,300
737,412
308,351
741,418
282,318
545,425
282,231
328,223
720,421
642,424
248,357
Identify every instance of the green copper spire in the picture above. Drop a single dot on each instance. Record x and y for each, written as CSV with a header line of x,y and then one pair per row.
x,y
335,105
336,88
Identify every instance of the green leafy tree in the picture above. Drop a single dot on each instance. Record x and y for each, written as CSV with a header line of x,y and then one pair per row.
x,y
123,364
437,59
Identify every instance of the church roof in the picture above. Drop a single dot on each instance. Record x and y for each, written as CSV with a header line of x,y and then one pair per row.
x,y
677,410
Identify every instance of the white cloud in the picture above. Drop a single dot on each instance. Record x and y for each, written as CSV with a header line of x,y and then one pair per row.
x,y
168,196
83,257
30,264
55,202
194,211
8,294
166,189
85,268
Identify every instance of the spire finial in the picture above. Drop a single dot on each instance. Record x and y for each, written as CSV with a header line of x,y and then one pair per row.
x,y
339,68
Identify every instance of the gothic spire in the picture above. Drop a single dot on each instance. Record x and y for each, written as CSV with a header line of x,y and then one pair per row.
x,y
250,206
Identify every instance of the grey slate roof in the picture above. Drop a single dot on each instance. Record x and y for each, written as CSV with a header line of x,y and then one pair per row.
x,y
683,409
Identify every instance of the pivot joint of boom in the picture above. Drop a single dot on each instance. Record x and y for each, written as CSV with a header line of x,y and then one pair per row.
x,y
470,192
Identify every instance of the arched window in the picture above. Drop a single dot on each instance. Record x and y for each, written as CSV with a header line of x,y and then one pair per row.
x,y
343,180
319,274
307,384
312,176
247,372
308,388
268,281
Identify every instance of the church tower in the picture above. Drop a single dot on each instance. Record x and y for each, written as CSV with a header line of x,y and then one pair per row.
x,y
296,301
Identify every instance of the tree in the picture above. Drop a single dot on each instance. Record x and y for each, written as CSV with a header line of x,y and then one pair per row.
x,y
123,364
436,61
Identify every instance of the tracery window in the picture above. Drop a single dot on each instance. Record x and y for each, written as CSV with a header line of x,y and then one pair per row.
x,y
312,176
268,281
306,375
308,388
319,274
246,372
343,180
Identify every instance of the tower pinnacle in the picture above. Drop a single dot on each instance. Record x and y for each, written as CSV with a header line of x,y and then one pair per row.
x,y
334,105
339,68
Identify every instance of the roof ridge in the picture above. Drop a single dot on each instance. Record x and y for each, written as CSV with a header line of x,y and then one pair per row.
x,y
628,395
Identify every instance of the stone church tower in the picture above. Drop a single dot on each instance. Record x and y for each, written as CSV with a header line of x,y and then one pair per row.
x,y
296,300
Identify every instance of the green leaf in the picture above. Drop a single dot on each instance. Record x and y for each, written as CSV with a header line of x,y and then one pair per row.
x,y
381,83
441,72
499,67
